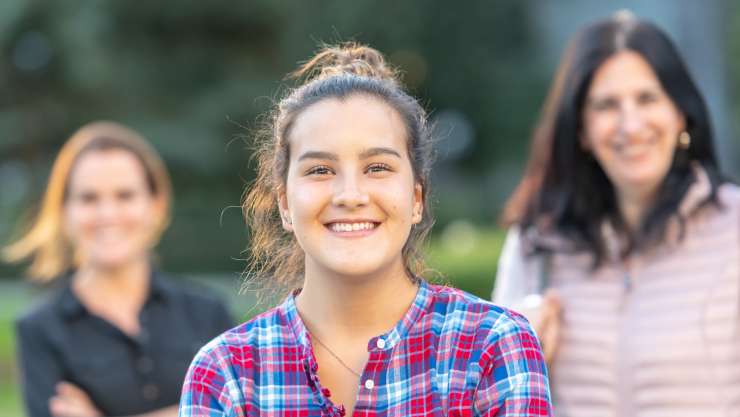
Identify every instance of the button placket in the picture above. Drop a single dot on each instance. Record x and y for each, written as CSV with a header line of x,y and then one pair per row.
x,y
145,365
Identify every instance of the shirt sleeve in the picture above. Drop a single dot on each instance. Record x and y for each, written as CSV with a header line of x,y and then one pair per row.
x,y
513,374
205,392
40,369
516,277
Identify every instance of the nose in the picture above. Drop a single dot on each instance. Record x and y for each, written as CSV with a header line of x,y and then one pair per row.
x,y
107,210
632,121
349,193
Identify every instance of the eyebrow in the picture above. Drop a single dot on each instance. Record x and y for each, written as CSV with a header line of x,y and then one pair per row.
x,y
368,153
319,155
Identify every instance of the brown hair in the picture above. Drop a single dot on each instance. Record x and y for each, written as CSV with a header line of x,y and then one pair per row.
x,y
334,72
44,242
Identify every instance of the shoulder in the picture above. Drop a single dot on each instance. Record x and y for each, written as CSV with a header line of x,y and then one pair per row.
x,y
222,376
244,344
47,309
493,338
513,248
729,195
473,313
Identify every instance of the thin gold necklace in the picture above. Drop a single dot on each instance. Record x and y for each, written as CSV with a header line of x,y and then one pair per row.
x,y
331,352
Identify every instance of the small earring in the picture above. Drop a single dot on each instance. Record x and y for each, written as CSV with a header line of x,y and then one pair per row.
x,y
684,140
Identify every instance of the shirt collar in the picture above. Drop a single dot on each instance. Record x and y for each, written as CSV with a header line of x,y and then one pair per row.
x,y
160,289
71,306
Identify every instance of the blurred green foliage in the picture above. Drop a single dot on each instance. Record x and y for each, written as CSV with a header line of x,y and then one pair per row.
x,y
194,77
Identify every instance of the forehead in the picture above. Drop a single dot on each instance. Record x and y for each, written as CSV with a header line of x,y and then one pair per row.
x,y
108,168
624,70
350,124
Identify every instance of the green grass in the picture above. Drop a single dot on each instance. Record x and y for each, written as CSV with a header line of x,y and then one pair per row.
x,y
10,402
13,298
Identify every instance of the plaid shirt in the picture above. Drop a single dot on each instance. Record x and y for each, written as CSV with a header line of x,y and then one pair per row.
x,y
452,354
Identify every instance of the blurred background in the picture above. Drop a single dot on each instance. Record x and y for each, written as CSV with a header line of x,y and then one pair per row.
x,y
194,77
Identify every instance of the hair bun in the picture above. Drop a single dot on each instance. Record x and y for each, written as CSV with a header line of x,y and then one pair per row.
x,y
348,58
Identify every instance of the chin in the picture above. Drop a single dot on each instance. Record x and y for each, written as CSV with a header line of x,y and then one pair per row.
x,y
112,260
358,270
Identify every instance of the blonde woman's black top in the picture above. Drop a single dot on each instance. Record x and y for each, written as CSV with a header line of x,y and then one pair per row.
x,y
123,375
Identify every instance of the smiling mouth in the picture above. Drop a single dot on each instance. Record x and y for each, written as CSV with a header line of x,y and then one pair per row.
x,y
346,227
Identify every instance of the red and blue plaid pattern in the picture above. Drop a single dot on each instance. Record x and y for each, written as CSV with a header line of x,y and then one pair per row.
x,y
452,354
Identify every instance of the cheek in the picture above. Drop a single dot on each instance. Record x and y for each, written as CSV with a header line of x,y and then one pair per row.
x,y
141,216
597,131
397,196
78,219
671,120
305,200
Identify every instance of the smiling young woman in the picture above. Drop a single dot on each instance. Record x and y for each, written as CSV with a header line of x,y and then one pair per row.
x,y
117,335
337,212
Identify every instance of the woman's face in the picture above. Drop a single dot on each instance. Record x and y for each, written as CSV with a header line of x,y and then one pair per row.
x,y
350,197
110,214
630,124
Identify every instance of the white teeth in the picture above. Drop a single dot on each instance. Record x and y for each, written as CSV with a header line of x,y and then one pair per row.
x,y
352,227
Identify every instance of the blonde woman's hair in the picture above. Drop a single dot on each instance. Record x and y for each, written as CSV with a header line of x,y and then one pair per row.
x,y
44,243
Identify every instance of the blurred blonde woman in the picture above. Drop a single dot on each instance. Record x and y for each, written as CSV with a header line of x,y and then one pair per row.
x,y
116,336
625,225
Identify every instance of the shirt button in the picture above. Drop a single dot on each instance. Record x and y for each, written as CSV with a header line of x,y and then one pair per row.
x,y
150,392
380,343
145,365
369,383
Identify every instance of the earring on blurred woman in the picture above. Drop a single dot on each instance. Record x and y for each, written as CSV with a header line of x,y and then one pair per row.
x,y
684,140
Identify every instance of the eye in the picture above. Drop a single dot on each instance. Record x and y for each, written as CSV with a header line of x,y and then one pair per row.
x,y
604,104
319,170
378,167
87,198
647,97
125,195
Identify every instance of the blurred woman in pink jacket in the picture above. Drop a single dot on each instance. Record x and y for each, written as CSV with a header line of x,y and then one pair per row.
x,y
625,240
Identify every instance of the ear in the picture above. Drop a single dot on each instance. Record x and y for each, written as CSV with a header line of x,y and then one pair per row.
x,y
159,207
682,122
418,208
284,211
159,204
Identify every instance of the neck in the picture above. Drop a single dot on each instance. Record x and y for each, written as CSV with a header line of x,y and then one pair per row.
x,y
128,283
633,207
342,306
